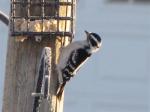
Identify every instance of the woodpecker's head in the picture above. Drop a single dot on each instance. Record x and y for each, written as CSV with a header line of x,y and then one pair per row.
x,y
94,41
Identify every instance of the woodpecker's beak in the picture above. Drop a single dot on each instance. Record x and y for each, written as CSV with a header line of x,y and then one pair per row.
x,y
87,33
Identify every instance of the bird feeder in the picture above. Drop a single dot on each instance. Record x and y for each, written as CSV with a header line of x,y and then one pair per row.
x,y
42,18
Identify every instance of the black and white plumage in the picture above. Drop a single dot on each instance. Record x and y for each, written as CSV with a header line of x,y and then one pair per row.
x,y
74,55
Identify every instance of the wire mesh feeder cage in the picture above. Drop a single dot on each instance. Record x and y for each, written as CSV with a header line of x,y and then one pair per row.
x,y
31,18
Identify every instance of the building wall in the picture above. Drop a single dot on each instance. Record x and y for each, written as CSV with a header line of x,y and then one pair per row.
x,y
117,78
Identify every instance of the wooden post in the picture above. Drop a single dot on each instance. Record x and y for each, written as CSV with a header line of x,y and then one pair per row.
x,y
22,65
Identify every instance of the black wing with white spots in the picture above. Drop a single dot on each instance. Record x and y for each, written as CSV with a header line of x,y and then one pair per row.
x,y
75,62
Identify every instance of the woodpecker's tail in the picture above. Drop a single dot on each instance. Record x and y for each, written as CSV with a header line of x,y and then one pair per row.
x,y
60,89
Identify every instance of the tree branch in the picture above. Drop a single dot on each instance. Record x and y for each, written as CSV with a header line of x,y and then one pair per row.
x,y
4,18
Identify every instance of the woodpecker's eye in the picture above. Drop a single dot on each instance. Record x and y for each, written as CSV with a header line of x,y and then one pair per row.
x,y
93,42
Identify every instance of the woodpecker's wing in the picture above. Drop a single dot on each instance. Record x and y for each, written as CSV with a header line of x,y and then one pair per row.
x,y
79,57
66,51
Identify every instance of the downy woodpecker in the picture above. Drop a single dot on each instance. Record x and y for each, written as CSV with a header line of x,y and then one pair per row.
x,y
73,56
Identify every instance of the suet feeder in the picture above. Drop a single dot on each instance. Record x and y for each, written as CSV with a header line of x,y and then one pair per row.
x,y
42,18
